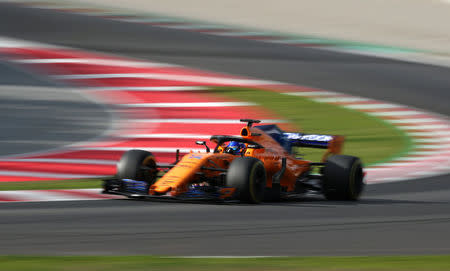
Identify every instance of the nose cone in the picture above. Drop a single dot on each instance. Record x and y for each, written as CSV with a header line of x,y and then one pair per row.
x,y
178,178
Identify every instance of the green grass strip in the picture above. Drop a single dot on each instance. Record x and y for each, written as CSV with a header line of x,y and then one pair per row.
x,y
46,185
125,263
367,137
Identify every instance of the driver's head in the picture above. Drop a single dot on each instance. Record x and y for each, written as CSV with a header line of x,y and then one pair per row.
x,y
235,147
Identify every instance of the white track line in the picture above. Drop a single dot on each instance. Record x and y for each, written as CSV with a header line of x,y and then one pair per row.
x,y
55,195
424,127
396,113
416,158
39,195
201,121
409,164
313,93
46,175
33,195
175,136
187,136
431,140
16,43
373,106
155,89
94,61
170,77
342,100
412,120
153,149
183,105
428,152
395,164
431,133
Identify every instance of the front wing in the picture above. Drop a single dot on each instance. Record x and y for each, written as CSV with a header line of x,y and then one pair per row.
x,y
139,190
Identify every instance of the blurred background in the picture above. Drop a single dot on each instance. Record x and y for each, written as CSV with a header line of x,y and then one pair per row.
x,y
83,81
417,24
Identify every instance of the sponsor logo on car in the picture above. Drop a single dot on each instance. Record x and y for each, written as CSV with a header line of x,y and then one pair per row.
x,y
310,137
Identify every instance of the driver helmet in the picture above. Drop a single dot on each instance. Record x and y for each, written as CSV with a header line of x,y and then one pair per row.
x,y
235,147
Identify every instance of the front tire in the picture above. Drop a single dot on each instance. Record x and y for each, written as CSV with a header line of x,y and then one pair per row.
x,y
138,165
248,176
343,178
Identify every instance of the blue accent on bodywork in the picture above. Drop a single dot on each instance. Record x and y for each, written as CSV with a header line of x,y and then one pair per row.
x,y
197,191
289,140
309,140
276,133
135,186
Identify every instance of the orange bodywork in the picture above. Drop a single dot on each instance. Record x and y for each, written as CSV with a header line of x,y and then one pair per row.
x,y
176,180
194,166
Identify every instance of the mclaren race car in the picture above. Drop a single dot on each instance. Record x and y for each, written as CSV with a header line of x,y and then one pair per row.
x,y
259,165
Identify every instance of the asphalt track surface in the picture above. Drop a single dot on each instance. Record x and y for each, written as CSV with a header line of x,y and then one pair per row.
x,y
40,118
410,217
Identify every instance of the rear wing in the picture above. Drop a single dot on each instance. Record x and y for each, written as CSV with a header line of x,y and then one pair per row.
x,y
309,140
333,143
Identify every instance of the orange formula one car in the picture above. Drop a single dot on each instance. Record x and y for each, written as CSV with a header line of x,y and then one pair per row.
x,y
256,166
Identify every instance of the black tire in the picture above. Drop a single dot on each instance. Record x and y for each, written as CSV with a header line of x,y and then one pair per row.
x,y
248,176
343,178
131,163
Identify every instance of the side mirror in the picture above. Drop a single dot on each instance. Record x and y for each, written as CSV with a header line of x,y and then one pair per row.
x,y
204,144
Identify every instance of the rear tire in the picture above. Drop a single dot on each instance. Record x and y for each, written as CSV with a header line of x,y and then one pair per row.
x,y
131,166
343,178
248,176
